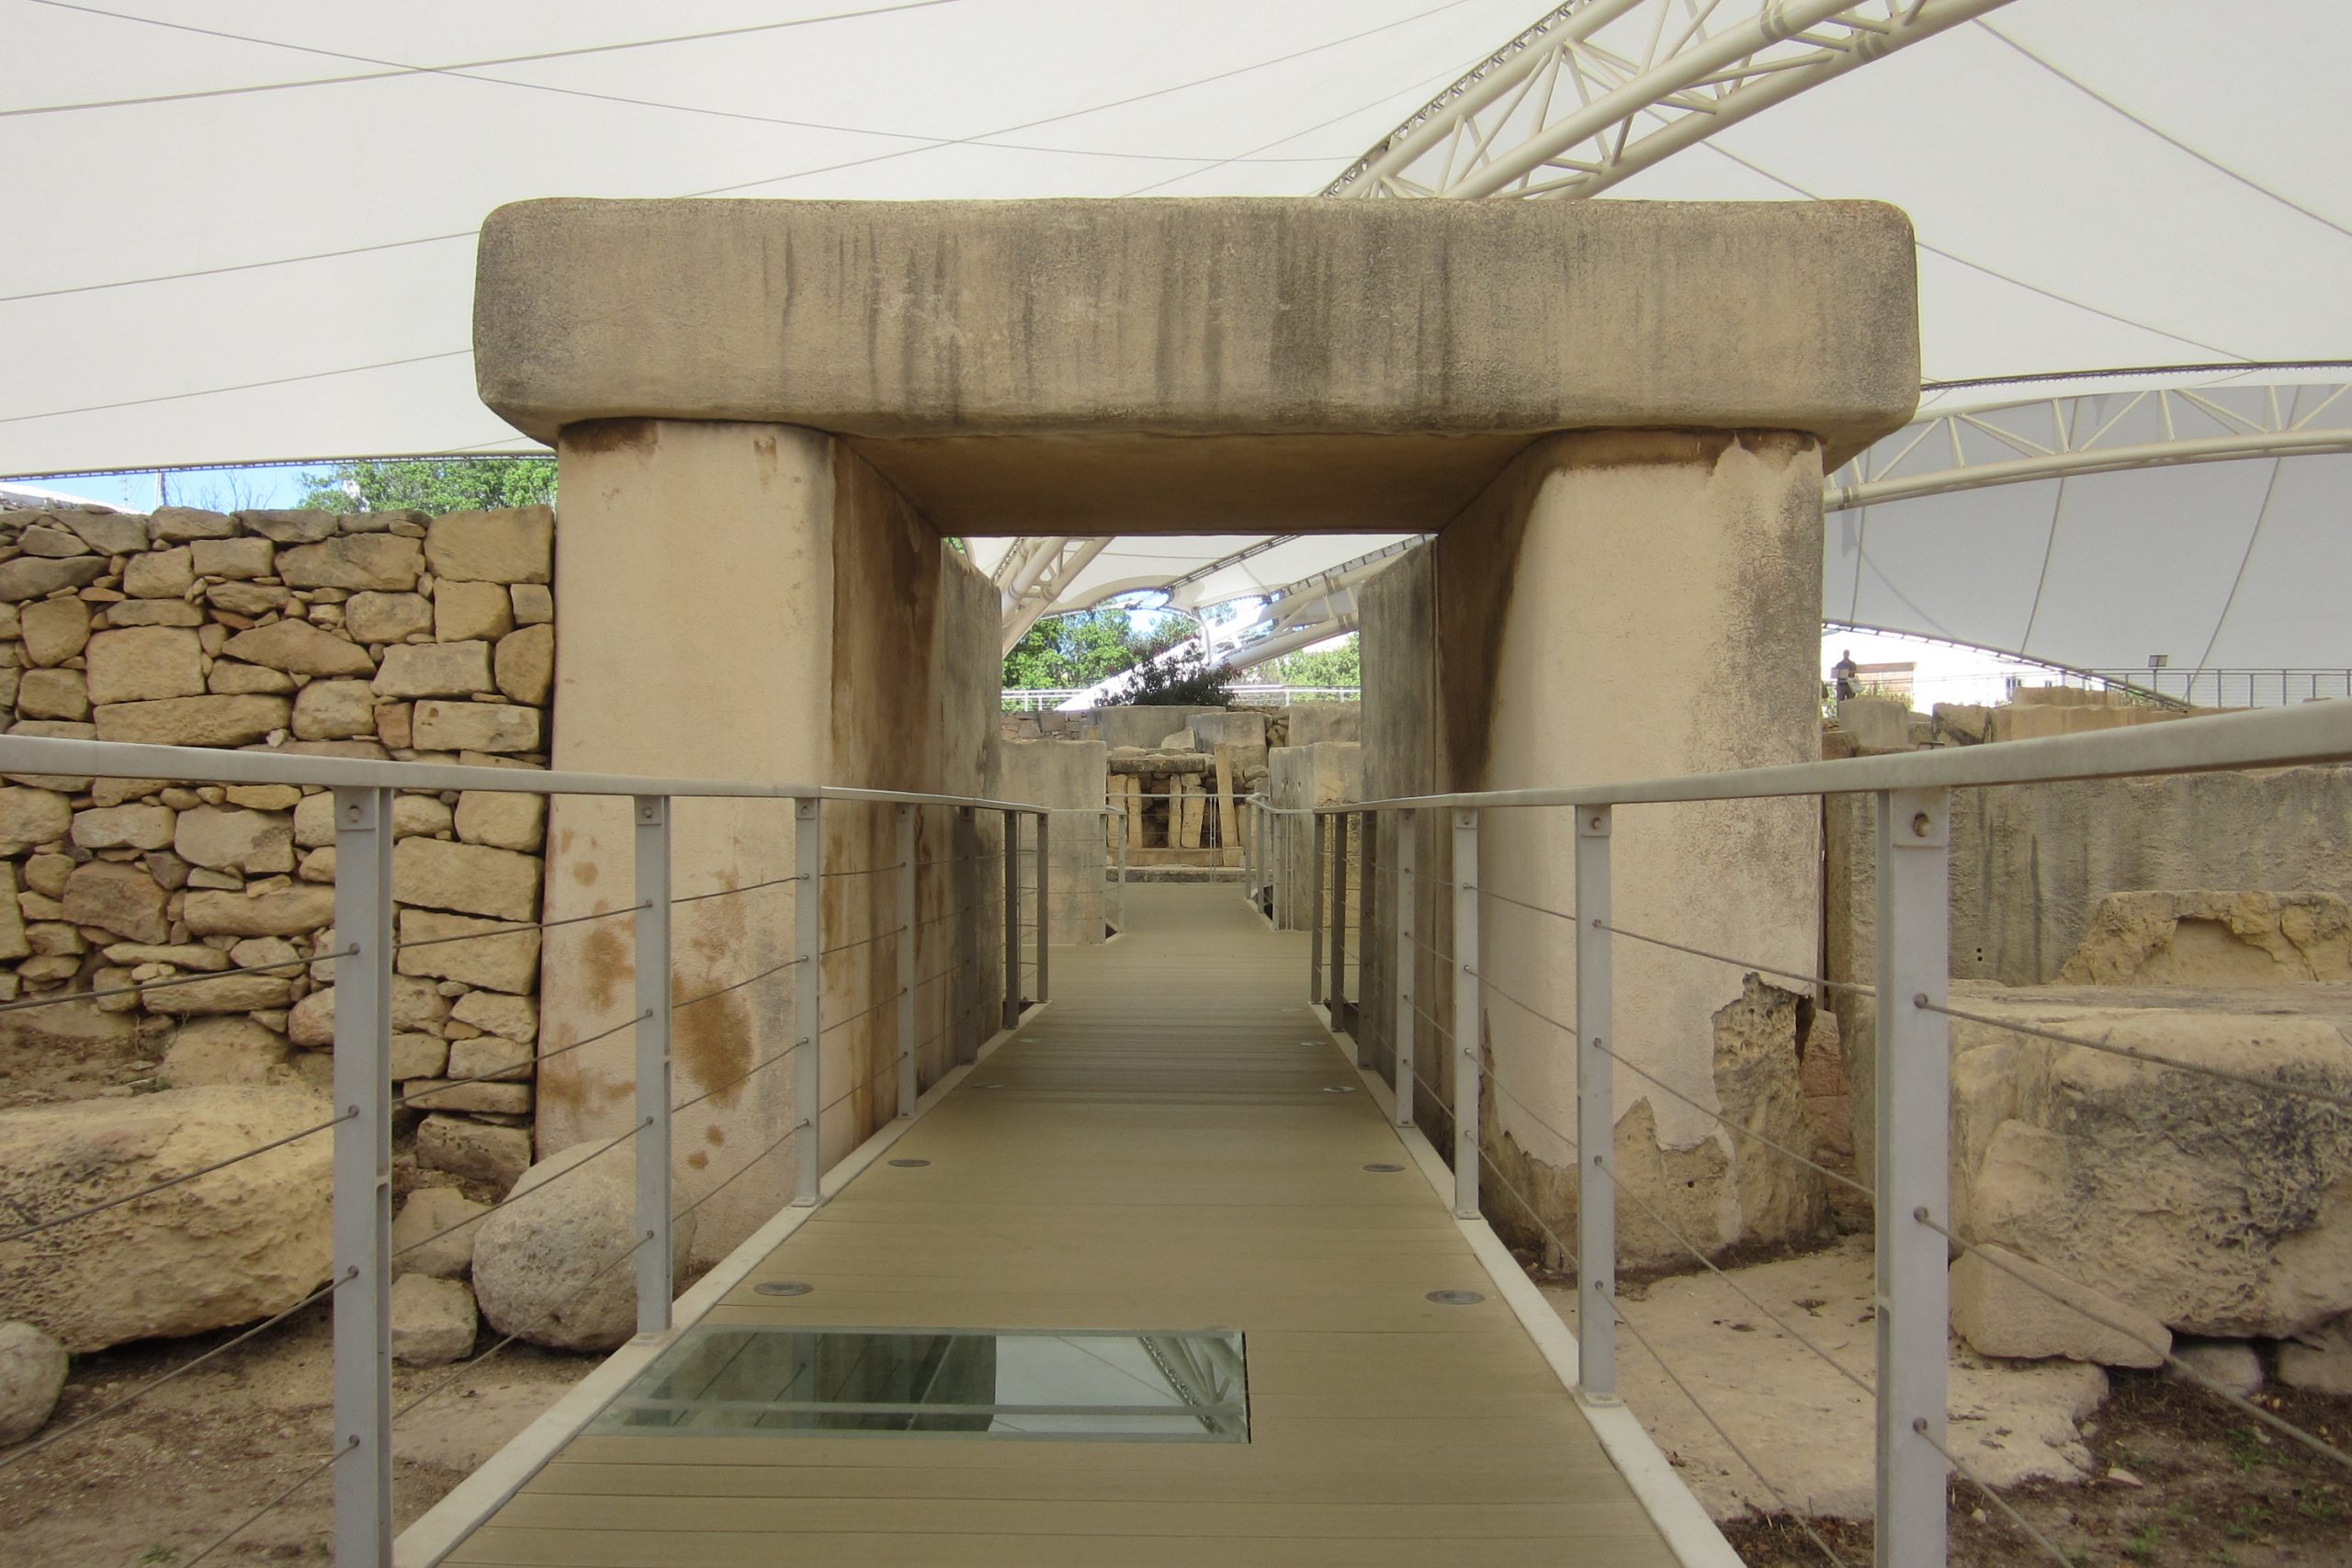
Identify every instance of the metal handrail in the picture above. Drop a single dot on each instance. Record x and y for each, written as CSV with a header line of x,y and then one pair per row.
x,y
2279,738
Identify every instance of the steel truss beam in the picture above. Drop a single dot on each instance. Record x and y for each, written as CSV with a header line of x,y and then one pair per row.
x,y
2063,437
1309,611
1032,574
1557,113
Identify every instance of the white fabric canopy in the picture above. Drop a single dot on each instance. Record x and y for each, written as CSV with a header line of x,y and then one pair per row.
x,y
254,243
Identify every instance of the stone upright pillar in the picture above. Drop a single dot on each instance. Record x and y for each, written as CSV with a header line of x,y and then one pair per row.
x,y
694,639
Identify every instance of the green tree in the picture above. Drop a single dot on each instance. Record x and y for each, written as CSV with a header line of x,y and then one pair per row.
x,y
1340,666
432,484
1181,681
1063,651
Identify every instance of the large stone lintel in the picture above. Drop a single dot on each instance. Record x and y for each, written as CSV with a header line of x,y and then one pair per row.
x,y
1002,341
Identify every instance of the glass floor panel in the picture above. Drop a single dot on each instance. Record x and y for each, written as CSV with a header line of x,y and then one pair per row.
x,y
1097,1385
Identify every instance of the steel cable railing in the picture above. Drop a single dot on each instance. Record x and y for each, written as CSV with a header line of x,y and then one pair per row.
x,y
364,1097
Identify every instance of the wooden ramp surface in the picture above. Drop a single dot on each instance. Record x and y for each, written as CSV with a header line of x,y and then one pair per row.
x,y
1156,1150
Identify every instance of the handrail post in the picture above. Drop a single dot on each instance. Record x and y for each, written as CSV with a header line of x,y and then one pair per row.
x,y
362,1203
1044,911
1314,907
1336,992
967,934
1407,899
654,1285
909,1084
1596,1114
1122,870
1011,919
1913,1113
1467,1013
808,991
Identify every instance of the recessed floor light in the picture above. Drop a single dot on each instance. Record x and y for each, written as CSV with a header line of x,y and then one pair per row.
x,y
1384,1168
1455,1298
911,1164
1339,1089
781,1288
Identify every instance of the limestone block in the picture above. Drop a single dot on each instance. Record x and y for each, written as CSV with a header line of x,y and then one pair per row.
x,y
194,721
433,1320
1311,722
475,1150
2169,937
2320,1361
433,670
534,603
230,1246
416,1054
124,827
32,1374
118,897
154,612
513,546
334,710
314,820
306,525
515,1018
502,820
396,726
417,1005
475,727
264,797
431,1234
29,577
54,630
2001,1315
178,524
72,1031
488,1057
301,648
12,920
2152,1184
290,911
540,1263
1877,726
220,994
387,617
248,599
39,539
383,562
526,664
468,612
233,557
2232,1364
143,664
52,693
232,838
232,678
1185,811
108,533
496,1098
224,1050
469,878
501,959
165,574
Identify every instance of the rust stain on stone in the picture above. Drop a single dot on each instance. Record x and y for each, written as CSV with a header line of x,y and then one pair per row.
x,y
584,872
597,436
714,1135
604,960
698,1159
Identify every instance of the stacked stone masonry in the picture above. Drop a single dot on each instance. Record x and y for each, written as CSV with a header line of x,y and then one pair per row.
x,y
386,634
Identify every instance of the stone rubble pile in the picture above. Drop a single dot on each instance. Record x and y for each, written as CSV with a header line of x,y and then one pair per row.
x,y
376,634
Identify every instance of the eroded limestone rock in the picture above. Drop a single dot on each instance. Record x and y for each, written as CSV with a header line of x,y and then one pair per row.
x,y
32,1374
433,1320
230,1246
539,1251
2045,1315
2213,939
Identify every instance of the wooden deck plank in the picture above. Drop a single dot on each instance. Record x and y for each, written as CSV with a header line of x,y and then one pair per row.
x,y
1158,1151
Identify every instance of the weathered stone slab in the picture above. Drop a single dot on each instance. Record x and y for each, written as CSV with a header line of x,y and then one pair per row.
x,y
434,670
477,726
513,546
383,562
144,663
1368,365
194,721
299,649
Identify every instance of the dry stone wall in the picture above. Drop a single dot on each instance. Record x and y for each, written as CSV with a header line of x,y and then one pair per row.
x,y
378,634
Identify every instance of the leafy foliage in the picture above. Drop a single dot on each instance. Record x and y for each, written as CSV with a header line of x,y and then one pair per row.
x,y
432,484
1181,681
1340,666
1073,650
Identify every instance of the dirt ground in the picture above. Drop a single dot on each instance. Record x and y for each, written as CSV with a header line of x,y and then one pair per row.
x,y
161,1482
2214,1486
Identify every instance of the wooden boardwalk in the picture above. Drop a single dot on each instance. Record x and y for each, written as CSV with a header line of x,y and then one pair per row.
x,y
1159,1149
